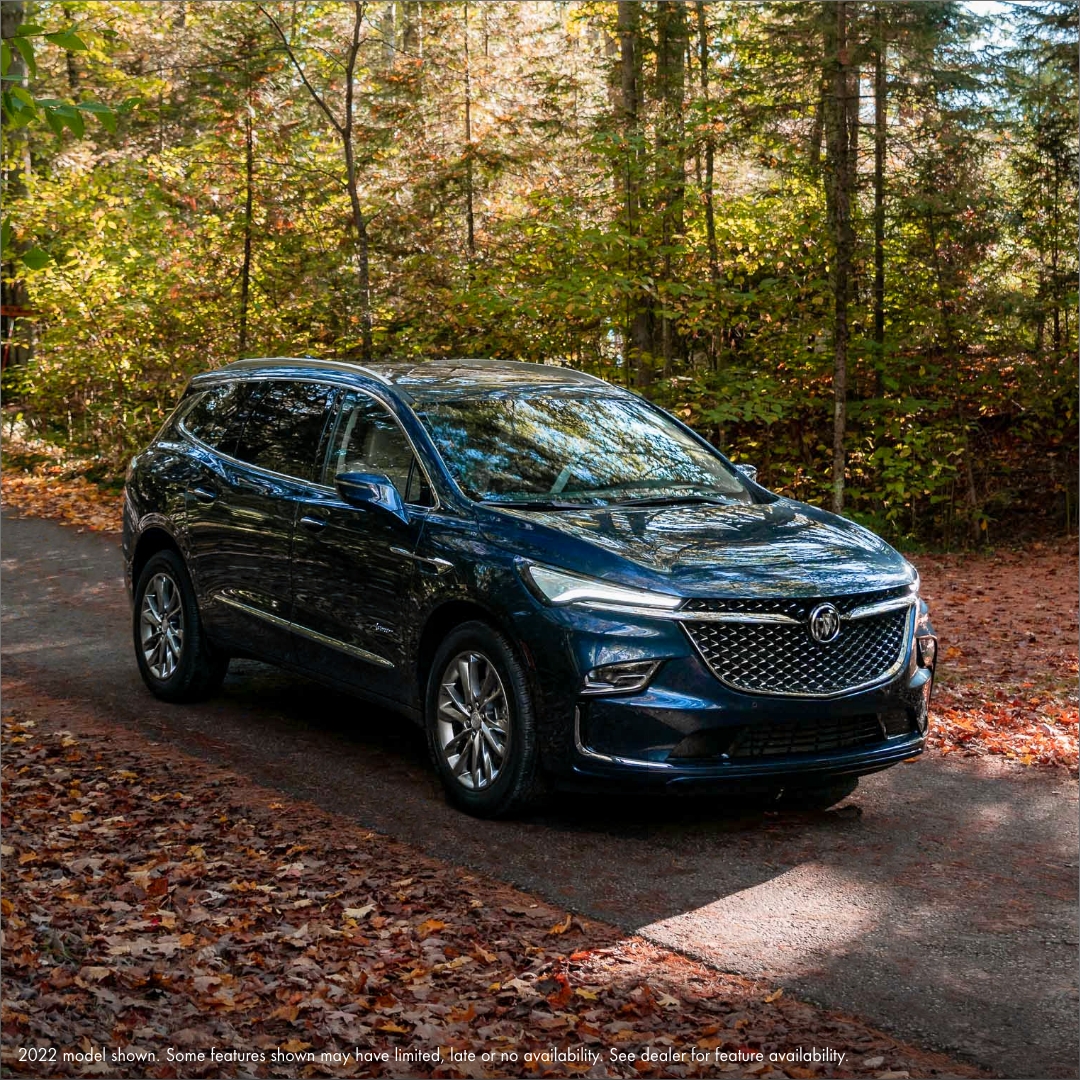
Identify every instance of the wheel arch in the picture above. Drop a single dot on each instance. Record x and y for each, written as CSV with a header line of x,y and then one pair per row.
x,y
151,540
445,618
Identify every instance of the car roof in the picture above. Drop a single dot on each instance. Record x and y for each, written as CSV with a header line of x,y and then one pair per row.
x,y
428,380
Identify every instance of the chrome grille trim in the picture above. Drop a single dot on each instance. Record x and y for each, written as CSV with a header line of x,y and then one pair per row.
x,y
781,660
868,611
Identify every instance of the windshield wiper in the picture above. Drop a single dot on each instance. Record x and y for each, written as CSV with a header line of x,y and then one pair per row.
x,y
539,504
672,500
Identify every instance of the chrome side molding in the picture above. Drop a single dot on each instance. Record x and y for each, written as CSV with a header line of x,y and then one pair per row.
x,y
303,631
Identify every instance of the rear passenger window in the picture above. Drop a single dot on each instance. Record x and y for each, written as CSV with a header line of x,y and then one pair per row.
x,y
284,427
217,415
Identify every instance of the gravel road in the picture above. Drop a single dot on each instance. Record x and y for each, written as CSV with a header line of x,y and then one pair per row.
x,y
940,902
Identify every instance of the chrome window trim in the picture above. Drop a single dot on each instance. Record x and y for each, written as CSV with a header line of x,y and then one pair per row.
x,y
884,677
303,631
296,479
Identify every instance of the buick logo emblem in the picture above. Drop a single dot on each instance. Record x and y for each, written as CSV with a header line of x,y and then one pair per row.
x,y
824,624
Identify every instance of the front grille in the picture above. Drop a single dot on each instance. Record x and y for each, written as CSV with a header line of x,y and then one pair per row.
x,y
782,658
806,736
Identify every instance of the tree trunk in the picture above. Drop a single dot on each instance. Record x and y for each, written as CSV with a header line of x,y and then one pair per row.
x,y
817,132
410,28
470,234
249,197
707,184
880,116
70,63
638,335
363,271
388,30
15,170
670,147
839,185
344,128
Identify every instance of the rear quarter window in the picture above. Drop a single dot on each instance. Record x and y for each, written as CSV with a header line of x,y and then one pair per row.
x,y
216,416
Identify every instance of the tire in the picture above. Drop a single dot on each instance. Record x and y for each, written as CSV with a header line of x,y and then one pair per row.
x,y
175,659
818,796
467,727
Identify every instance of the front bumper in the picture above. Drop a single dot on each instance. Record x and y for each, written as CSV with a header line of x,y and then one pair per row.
x,y
688,731
620,742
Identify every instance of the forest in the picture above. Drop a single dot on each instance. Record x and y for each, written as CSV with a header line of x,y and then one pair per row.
x,y
838,239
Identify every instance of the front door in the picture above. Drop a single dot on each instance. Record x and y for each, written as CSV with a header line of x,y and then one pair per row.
x,y
352,567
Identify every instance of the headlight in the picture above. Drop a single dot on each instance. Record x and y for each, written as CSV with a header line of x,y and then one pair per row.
x,y
914,586
560,587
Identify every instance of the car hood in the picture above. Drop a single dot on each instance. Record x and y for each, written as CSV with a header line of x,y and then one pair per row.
x,y
782,548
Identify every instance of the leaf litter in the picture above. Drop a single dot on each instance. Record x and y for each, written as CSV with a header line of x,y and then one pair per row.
x,y
152,900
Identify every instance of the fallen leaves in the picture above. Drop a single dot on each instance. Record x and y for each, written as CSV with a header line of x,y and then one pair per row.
x,y
1037,731
199,921
1006,676
48,493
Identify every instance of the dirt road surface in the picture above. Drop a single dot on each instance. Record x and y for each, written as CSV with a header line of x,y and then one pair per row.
x,y
939,903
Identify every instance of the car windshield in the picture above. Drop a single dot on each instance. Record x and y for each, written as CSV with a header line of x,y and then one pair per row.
x,y
565,449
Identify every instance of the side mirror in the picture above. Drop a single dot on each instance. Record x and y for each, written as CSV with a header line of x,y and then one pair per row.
x,y
749,471
370,489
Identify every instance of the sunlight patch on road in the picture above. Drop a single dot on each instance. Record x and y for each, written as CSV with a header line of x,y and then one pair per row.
x,y
787,925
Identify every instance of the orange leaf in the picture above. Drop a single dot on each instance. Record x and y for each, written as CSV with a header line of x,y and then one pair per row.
x,y
429,927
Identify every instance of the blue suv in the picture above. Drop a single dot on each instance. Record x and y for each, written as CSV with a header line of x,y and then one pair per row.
x,y
560,581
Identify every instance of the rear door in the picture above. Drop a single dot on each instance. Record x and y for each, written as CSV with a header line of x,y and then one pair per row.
x,y
353,567
245,556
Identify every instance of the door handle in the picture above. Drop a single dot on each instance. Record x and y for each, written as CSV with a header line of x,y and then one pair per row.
x,y
204,495
313,524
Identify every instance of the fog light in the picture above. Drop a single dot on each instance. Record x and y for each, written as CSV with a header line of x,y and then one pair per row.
x,y
620,678
927,651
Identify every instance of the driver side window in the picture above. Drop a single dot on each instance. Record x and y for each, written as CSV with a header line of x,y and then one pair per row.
x,y
368,439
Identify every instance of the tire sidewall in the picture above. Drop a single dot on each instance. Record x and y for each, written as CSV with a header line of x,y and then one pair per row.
x,y
514,782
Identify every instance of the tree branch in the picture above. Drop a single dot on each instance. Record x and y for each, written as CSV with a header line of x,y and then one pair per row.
x,y
315,96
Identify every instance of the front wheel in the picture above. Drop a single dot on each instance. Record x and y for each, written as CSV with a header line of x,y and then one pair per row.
x,y
176,661
480,724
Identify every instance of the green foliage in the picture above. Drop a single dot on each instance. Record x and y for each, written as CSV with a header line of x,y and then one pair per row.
x,y
133,233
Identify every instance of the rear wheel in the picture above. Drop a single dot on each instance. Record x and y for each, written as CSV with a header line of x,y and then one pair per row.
x,y
480,725
175,659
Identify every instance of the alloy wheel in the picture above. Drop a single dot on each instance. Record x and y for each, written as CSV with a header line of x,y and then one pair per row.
x,y
161,626
473,721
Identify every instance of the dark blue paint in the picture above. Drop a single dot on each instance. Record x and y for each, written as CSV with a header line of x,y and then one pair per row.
x,y
342,580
